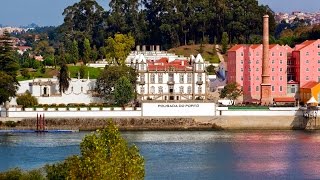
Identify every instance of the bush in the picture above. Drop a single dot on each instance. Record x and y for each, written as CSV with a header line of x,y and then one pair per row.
x,y
82,71
27,100
211,69
104,155
25,73
10,124
43,70
19,174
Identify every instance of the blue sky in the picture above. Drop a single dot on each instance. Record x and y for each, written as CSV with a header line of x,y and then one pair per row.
x,y
49,12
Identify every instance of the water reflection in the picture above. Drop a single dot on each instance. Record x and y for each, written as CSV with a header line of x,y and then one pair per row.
x,y
187,155
262,153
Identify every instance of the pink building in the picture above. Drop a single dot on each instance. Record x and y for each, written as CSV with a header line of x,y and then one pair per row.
x,y
304,66
245,68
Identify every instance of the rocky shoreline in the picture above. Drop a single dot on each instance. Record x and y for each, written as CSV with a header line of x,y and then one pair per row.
x,y
124,124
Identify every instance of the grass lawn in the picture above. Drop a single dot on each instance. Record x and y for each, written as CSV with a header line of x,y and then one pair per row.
x,y
93,72
208,52
37,74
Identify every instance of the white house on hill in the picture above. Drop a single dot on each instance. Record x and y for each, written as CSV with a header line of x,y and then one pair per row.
x,y
46,90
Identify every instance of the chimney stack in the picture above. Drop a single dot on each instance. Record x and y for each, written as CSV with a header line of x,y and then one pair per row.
x,y
266,98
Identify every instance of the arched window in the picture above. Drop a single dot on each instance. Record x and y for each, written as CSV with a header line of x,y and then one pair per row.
x,y
181,89
181,78
199,90
160,89
189,90
152,90
142,67
200,66
160,78
141,90
152,78
189,78
141,77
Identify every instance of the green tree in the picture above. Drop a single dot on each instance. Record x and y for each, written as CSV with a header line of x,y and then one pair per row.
x,y
87,51
83,19
19,174
82,71
49,60
211,70
63,78
102,52
224,42
43,48
123,91
27,100
231,91
74,52
106,81
104,155
8,64
25,73
94,54
119,47
8,87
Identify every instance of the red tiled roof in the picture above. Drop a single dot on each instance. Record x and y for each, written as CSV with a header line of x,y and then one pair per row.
x,y
236,47
272,46
284,99
254,46
305,44
309,85
163,64
167,67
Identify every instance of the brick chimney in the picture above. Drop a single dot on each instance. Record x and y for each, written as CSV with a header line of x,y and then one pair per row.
x,y
266,98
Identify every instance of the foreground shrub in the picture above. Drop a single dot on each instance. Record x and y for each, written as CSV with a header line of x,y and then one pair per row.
x,y
104,155
27,100
10,124
19,174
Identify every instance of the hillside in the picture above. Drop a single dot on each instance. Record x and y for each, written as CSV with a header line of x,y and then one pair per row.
x,y
209,53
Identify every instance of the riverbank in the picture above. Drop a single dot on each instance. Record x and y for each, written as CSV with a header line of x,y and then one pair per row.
x,y
122,123
170,123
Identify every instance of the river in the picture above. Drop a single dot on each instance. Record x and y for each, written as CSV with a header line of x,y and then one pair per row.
x,y
186,154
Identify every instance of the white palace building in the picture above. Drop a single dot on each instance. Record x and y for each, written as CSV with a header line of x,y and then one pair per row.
x,y
167,79
161,77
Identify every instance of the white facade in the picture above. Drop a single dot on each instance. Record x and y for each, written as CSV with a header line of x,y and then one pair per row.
x,y
46,90
170,80
178,109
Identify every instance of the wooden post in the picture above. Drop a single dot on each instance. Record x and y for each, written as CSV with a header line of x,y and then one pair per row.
x,y
37,122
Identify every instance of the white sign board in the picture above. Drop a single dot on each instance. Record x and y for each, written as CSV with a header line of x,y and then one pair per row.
x,y
178,109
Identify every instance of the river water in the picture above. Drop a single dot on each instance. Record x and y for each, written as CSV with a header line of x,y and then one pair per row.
x,y
186,154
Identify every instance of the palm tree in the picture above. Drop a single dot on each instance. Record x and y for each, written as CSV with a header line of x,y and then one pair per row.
x,y
63,78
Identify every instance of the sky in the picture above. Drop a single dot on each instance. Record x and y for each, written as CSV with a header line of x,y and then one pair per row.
x,y
49,12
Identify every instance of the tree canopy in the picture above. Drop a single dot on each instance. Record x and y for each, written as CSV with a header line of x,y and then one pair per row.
x,y
231,91
107,80
123,91
167,23
63,78
8,69
8,87
104,155
27,100
119,47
